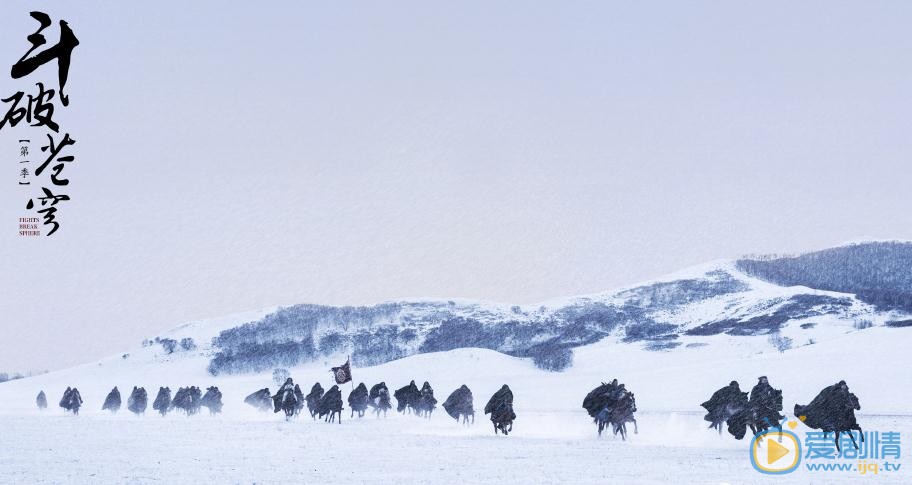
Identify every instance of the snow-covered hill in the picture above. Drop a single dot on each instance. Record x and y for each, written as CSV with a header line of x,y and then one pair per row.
x,y
676,312
875,362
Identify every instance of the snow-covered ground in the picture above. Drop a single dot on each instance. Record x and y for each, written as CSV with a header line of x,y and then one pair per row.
x,y
546,448
553,440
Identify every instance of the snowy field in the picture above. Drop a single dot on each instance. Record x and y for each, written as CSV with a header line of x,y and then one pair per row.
x,y
545,448
554,440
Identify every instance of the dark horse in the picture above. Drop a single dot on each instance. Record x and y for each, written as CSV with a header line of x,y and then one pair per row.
x,y
460,404
188,399
764,406
833,410
212,400
611,404
622,413
112,402
331,405
407,398
426,401
71,400
358,400
728,406
313,399
379,399
138,400
500,407
285,399
162,402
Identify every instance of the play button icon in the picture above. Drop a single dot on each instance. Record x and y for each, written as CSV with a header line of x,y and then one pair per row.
x,y
775,452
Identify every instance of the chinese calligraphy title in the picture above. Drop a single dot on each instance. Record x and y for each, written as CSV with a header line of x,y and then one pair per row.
x,y
37,110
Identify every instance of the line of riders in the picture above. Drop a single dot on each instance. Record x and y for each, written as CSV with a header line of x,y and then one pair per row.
x,y
409,400
831,411
186,399
610,405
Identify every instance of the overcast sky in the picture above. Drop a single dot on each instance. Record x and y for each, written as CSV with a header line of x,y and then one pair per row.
x,y
233,157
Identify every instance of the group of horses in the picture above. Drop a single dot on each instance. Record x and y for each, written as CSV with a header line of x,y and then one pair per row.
x,y
291,400
409,400
831,411
187,399
71,400
610,405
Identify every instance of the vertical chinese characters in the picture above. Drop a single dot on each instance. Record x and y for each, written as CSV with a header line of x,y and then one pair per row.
x,y
37,110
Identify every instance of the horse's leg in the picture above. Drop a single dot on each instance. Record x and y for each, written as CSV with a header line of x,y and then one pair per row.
x,y
837,442
495,429
623,432
852,435
635,430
